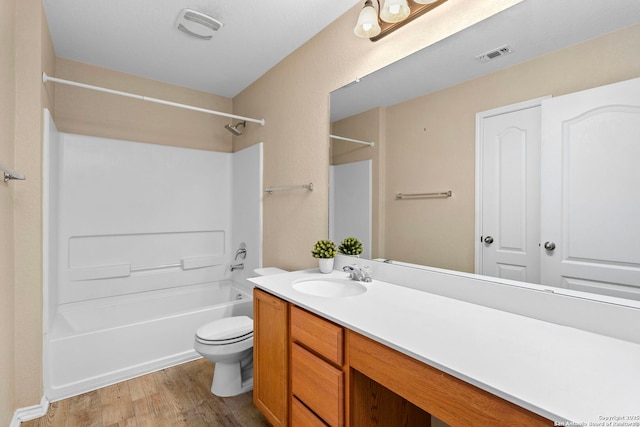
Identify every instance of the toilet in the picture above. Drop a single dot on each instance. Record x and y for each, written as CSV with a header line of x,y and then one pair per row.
x,y
228,343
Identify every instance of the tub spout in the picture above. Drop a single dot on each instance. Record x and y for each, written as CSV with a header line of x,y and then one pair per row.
x,y
235,267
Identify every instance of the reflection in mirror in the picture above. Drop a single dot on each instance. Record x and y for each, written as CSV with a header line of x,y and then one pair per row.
x,y
421,111
344,138
350,199
354,185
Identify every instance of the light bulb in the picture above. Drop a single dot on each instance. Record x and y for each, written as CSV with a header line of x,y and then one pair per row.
x,y
394,11
367,25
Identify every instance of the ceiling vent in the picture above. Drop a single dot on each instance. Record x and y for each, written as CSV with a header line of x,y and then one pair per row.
x,y
197,24
494,54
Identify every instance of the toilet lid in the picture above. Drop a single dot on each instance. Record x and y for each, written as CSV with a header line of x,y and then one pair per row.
x,y
226,329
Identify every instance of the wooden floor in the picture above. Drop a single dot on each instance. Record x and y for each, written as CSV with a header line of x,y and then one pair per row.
x,y
177,396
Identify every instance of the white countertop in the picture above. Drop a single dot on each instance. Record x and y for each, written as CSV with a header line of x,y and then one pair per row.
x,y
559,372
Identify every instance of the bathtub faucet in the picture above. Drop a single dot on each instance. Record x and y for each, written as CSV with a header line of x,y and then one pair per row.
x,y
235,267
361,274
242,252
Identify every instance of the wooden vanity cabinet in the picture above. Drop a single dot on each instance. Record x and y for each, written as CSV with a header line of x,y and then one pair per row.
x,y
271,357
311,372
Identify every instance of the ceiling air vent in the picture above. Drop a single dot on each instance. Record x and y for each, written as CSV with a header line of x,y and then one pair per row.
x,y
197,24
494,54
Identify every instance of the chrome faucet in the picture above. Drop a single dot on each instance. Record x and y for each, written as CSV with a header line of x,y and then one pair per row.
x,y
242,252
361,274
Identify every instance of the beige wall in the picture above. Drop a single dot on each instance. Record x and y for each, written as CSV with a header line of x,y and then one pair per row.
x,y
293,97
33,54
7,118
26,51
101,114
430,144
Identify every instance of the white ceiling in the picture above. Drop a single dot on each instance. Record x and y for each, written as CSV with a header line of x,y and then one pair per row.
x,y
532,28
139,37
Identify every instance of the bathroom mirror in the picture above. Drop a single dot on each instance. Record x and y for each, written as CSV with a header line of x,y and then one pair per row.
x,y
420,112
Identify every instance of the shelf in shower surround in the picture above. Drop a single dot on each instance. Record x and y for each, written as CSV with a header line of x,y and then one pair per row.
x,y
125,270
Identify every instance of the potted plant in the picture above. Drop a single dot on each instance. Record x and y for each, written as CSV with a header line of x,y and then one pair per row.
x,y
350,246
325,251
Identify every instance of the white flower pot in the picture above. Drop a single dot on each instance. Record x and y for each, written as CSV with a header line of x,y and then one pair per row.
x,y
325,264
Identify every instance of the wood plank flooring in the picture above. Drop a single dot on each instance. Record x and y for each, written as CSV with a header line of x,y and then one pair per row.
x,y
176,396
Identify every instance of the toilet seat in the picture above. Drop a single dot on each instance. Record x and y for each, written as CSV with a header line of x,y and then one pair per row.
x,y
226,331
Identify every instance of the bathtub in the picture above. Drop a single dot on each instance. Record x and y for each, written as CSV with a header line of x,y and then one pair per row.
x,y
100,342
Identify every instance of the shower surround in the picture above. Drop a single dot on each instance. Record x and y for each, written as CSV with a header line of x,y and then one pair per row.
x,y
138,242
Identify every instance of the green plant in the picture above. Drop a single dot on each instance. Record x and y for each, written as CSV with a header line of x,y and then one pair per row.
x,y
350,246
324,249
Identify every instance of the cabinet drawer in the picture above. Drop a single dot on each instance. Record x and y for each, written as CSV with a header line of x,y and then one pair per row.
x,y
317,334
318,384
302,416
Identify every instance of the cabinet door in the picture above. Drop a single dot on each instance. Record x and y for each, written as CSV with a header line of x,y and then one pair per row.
x,y
270,354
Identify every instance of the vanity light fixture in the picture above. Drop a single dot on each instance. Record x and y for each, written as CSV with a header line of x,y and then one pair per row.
x,y
374,23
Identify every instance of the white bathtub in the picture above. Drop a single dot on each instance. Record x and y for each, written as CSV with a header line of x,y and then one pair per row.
x,y
96,343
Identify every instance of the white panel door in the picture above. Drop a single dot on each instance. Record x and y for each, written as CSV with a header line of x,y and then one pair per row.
x,y
511,195
591,190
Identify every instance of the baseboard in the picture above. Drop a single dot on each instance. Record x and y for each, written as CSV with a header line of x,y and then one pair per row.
x,y
30,412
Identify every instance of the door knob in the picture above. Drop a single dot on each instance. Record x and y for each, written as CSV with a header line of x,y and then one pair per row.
x,y
488,240
549,246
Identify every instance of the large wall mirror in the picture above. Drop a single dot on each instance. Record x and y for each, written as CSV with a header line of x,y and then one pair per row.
x,y
421,114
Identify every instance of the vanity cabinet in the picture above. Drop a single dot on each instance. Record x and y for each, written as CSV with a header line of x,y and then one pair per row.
x,y
309,371
271,357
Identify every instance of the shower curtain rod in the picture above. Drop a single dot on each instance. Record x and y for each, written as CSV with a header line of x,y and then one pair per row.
x,y
369,143
46,78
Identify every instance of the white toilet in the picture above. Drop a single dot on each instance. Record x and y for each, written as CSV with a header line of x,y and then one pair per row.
x,y
228,343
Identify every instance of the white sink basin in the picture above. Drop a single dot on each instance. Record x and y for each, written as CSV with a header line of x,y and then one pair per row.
x,y
329,287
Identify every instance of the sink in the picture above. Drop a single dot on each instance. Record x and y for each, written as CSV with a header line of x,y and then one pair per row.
x,y
329,287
